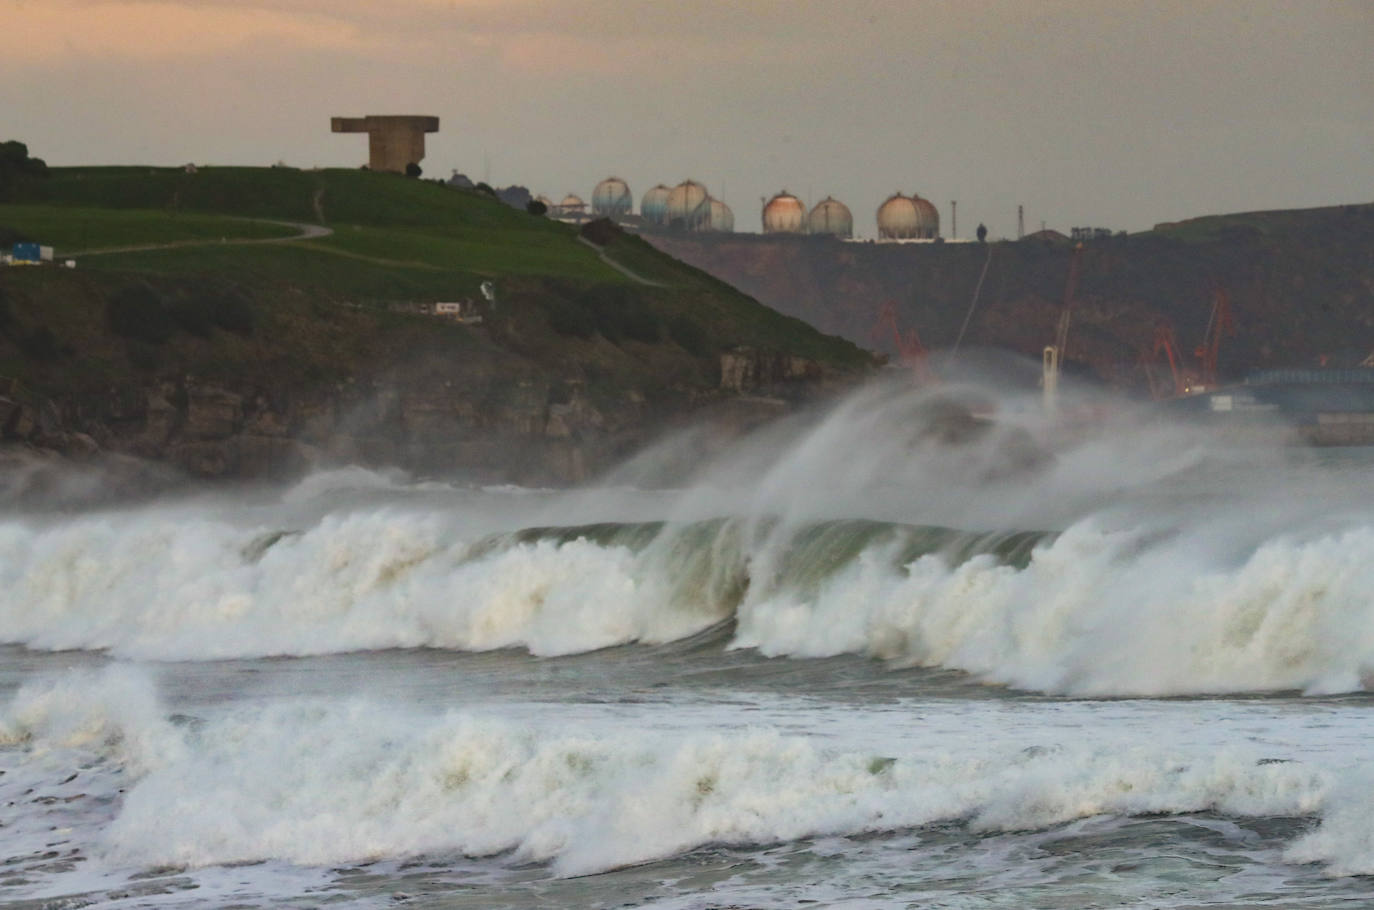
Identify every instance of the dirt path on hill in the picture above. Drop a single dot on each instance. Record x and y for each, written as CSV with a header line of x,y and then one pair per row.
x,y
633,276
307,232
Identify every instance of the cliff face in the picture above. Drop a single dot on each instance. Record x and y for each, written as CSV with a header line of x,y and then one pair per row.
x,y
252,322
1301,286
313,383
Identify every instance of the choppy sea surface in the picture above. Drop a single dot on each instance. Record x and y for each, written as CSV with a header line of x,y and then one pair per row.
x,y
854,662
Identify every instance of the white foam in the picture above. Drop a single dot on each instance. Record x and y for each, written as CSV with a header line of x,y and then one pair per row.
x,y
151,585
319,782
1096,611
1101,613
113,713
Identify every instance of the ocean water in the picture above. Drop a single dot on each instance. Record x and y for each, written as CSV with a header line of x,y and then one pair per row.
x,y
852,662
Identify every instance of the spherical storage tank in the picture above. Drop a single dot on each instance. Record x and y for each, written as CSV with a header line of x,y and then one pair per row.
x,y
898,218
653,208
784,214
688,208
719,218
572,204
927,218
831,216
612,198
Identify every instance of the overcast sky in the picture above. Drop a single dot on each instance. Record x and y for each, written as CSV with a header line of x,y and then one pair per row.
x,y
1114,113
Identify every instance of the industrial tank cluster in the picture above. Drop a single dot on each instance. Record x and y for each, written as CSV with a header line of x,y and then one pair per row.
x,y
689,206
786,214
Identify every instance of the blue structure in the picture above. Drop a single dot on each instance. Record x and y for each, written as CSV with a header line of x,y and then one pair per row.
x,y
27,252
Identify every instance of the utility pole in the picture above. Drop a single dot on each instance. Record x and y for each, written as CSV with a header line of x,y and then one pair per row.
x,y
954,219
1020,222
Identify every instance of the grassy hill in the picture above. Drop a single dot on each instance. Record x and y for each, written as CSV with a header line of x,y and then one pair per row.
x,y
392,237
278,284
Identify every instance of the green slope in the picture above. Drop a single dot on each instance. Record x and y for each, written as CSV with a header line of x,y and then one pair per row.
x,y
393,239
74,230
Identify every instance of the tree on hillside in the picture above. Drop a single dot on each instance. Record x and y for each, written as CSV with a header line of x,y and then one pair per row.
x,y
413,170
535,207
16,164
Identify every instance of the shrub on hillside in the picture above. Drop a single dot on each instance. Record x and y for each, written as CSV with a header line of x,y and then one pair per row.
x,y
689,335
138,312
191,316
620,314
566,317
144,356
231,312
40,344
602,231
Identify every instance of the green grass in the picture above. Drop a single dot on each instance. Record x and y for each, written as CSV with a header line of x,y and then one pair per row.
x,y
489,254
72,229
394,239
343,196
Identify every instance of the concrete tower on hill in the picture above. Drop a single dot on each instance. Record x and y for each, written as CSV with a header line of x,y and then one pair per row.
x,y
393,141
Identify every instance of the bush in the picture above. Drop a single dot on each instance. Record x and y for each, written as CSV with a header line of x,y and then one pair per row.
x,y
232,313
619,314
601,231
138,312
535,207
40,344
689,335
413,170
144,356
567,318
191,316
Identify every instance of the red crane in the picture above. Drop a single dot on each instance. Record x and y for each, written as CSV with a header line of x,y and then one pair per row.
x,y
1219,323
1166,344
909,346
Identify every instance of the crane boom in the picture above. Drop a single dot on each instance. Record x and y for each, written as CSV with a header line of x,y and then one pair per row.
x,y
1053,354
1219,322
908,343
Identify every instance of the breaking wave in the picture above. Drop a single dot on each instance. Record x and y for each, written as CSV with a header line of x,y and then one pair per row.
x,y
1092,610
320,782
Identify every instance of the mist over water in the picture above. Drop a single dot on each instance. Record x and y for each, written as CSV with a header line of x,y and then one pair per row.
x,y
894,616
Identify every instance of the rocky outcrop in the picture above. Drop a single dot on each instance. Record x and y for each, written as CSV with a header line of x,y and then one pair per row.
x,y
748,369
521,431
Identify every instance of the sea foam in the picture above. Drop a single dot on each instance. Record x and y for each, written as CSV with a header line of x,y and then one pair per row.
x,y
323,781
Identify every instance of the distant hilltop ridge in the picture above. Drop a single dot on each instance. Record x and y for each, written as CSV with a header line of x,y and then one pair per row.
x,y
1300,285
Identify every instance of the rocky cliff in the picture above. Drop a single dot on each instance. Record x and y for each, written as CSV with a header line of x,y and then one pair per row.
x,y
313,383
1301,287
